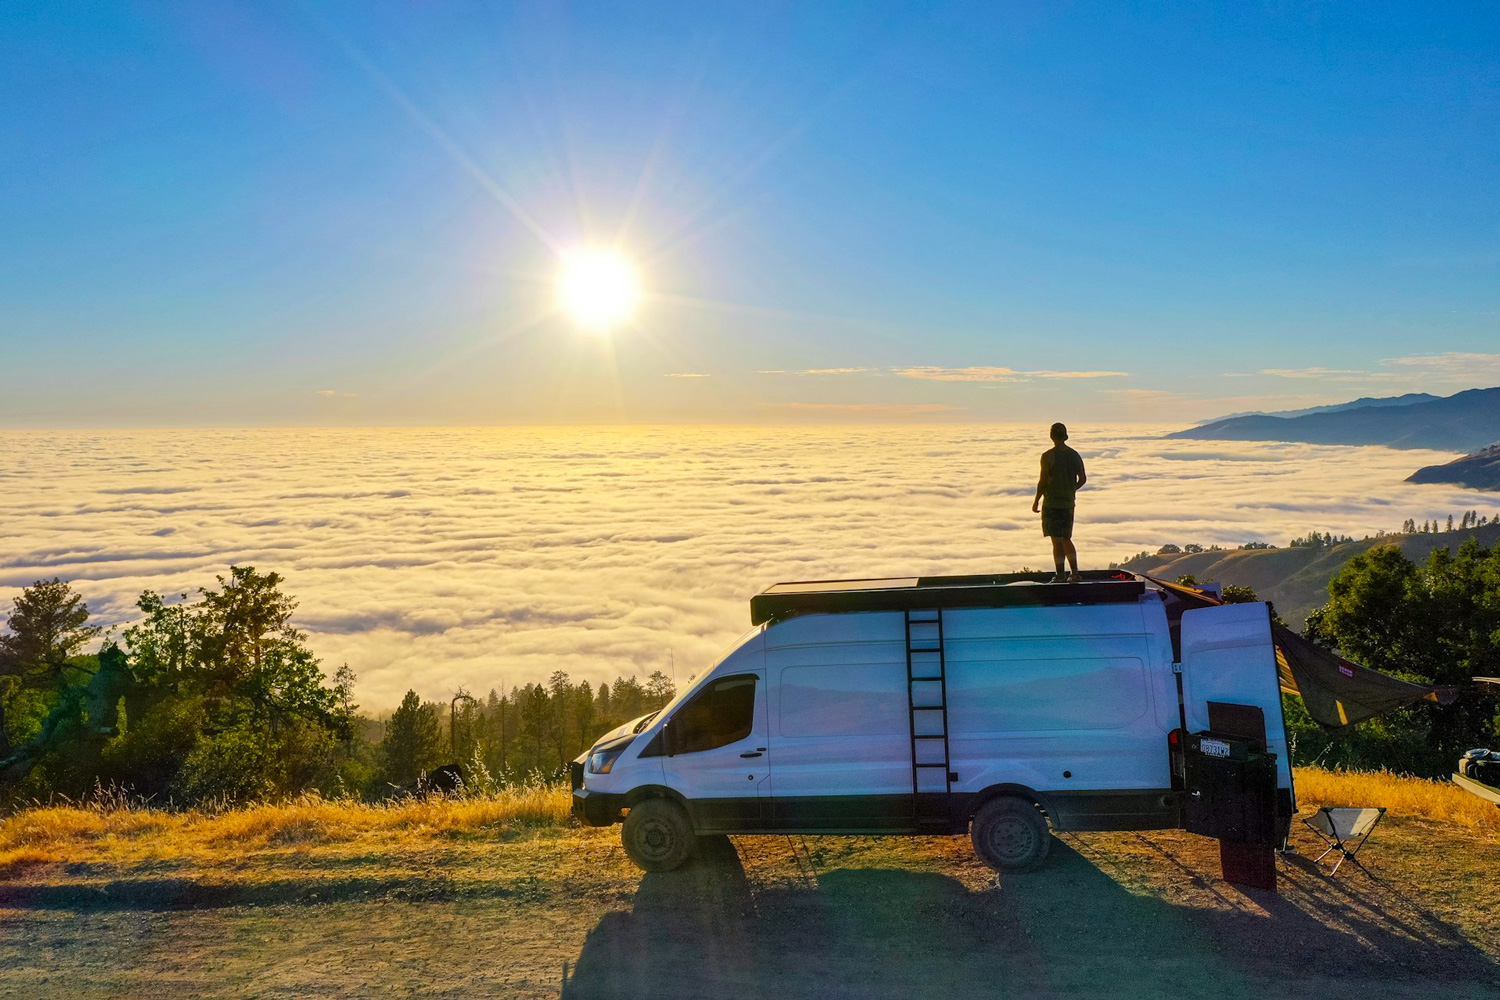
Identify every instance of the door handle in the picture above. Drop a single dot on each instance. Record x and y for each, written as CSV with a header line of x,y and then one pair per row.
x,y
752,753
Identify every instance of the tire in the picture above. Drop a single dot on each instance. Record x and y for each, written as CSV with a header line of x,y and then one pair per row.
x,y
1010,834
658,836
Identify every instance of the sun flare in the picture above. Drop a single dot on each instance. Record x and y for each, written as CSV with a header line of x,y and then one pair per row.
x,y
598,289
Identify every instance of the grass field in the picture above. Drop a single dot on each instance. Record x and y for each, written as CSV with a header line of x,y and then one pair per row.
x,y
128,832
123,832
503,896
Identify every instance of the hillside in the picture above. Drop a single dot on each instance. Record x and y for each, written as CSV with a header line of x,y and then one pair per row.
x,y
1405,399
1296,579
1465,421
1479,471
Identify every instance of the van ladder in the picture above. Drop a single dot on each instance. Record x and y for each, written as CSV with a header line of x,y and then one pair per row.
x,y
927,699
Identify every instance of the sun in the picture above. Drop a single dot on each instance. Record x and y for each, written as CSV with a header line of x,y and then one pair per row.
x,y
598,289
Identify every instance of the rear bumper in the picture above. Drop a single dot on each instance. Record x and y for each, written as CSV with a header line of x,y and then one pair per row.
x,y
597,808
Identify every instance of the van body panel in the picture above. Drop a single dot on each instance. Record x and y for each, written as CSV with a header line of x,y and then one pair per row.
x,y
1069,704
727,787
840,735
1228,655
1057,699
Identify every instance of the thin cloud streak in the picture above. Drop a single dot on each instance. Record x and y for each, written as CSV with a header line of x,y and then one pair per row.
x,y
990,373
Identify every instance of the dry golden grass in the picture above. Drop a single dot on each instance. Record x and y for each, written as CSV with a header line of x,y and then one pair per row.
x,y
1402,796
135,834
140,832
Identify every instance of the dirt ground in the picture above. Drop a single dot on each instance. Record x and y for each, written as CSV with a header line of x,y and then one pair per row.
x,y
564,914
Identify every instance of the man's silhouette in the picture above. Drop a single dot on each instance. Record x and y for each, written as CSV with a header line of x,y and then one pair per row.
x,y
1062,474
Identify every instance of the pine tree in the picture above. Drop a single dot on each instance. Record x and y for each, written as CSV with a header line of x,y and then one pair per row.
x,y
344,706
48,624
659,689
413,741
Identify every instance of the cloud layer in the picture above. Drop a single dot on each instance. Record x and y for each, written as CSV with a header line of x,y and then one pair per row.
x,y
434,558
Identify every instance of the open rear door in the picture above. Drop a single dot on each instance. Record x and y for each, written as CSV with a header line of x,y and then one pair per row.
x,y
1236,773
1228,657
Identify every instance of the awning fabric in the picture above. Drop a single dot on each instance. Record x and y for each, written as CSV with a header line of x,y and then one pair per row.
x,y
1336,692
1339,692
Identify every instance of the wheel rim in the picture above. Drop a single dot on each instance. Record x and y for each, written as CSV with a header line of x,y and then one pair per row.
x,y
656,839
1012,839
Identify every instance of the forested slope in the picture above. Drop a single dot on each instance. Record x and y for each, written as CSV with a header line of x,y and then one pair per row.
x,y
1296,579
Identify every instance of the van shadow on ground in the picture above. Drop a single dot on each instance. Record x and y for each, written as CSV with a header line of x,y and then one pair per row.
x,y
1067,930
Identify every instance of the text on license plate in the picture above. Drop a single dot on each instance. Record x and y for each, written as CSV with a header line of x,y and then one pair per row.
x,y
1214,748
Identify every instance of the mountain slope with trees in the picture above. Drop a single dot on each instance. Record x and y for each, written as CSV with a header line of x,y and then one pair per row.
x,y
1295,578
1479,471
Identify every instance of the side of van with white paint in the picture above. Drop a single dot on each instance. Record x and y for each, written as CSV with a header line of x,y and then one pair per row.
x,y
999,706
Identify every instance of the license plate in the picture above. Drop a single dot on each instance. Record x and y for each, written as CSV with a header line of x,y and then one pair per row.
x,y
1214,748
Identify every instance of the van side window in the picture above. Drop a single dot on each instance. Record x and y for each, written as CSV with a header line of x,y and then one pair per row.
x,y
719,715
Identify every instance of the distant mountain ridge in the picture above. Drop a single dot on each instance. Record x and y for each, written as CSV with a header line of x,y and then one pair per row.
x,y
1296,579
1406,399
1479,471
1464,422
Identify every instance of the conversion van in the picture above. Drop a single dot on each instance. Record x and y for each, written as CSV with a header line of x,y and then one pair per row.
x,y
1001,706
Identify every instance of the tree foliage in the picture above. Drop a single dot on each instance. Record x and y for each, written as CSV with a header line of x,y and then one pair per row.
x,y
413,742
1437,622
222,698
47,628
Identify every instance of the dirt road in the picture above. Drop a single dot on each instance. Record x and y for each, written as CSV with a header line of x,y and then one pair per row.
x,y
563,914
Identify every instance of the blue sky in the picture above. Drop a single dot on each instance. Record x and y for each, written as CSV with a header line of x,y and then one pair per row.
x,y
307,213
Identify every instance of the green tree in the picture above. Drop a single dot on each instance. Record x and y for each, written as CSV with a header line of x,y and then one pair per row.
x,y
344,706
413,741
659,689
1436,623
47,626
237,649
537,738
250,650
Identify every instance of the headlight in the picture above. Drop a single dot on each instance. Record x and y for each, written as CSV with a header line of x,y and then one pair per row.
x,y
602,759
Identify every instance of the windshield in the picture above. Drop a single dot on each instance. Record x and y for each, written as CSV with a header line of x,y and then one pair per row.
x,y
688,685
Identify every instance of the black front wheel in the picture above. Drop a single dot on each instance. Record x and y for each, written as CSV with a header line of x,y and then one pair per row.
x,y
658,835
1010,834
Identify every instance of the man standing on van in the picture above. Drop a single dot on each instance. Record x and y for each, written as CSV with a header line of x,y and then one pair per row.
x,y
1062,475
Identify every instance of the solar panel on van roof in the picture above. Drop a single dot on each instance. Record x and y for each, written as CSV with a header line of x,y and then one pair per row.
x,y
783,600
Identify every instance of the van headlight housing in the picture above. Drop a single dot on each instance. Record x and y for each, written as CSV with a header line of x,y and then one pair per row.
x,y
602,758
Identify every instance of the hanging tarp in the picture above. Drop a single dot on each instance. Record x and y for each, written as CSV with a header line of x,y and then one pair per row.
x,y
1337,692
1340,692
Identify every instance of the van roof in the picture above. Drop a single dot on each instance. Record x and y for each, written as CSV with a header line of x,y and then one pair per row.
x,y
784,600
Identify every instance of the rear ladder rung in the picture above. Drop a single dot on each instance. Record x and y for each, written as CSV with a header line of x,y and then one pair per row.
x,y
931,807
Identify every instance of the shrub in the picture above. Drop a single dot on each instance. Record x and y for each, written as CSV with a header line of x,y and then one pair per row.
x,y
237,765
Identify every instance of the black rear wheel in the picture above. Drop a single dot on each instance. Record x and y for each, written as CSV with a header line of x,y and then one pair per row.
x,y
658,836
1010,834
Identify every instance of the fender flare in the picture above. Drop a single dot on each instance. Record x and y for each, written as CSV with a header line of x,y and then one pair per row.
x,y
640,793
1017,791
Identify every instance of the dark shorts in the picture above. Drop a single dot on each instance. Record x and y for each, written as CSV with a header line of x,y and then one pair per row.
x,y
1057,522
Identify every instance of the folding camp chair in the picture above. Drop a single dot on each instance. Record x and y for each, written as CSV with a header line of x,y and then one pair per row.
x,y
1340,827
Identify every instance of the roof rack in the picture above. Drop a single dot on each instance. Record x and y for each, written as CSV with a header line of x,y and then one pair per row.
x,y
784,600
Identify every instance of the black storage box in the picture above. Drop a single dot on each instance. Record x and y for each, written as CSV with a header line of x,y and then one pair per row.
x,y
1230,789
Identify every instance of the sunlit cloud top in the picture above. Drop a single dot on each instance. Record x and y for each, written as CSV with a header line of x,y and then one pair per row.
x,y
438,558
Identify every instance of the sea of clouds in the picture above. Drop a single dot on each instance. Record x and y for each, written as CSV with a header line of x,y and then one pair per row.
x,y
434,558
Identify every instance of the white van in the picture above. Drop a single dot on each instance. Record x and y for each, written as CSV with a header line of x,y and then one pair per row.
x,y
998,705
